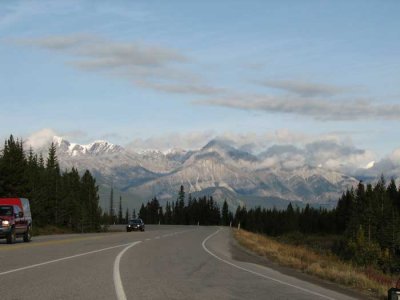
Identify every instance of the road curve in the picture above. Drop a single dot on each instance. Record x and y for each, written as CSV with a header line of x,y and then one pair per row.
x,y
164,262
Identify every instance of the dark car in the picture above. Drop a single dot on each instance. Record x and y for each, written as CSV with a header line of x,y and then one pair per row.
x,y
135,224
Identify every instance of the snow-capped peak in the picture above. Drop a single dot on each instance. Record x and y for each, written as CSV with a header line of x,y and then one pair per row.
x,y
370,165
58,141
95,148
102,146
175,151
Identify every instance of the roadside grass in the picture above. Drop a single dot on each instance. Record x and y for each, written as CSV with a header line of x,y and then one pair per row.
x,y
49,229
322,264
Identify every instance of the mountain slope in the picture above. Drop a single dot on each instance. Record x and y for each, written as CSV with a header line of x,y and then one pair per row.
x,y
217,169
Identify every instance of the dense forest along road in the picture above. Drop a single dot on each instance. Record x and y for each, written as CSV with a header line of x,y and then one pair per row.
x,y
164,262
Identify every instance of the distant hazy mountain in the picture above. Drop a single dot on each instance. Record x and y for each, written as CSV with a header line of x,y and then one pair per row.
x,y
273,177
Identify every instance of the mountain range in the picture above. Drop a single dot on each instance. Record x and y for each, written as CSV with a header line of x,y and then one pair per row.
x,y
271,178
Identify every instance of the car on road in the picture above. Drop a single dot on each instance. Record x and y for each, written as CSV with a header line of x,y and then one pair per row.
x,y
135,224
15,219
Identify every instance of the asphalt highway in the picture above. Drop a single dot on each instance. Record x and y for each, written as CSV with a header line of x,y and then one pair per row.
x,y
164,262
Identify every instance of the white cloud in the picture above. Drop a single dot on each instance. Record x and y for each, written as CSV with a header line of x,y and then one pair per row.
x,y
303,88
147,66
40,139
190,140
250,141
291,149
175,88
58,42
395,156
318,109
338,155
284,148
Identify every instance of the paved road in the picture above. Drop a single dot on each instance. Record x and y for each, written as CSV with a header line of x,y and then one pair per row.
x,y
165,262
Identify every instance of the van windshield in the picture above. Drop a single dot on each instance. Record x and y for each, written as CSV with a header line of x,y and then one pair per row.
x,y
6,211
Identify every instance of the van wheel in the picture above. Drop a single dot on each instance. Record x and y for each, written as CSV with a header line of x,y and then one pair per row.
x,y
11,237
28,235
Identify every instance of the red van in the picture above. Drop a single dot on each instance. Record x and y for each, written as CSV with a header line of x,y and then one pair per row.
x,y
15,219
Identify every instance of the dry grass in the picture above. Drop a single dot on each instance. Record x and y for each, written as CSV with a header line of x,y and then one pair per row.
x,y
324,266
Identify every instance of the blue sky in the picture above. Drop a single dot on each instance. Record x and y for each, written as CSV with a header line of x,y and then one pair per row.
x,y
164,74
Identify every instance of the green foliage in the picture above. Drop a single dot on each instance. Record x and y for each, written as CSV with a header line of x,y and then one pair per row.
x,y
203,211
367,217
64,200
362,252
111,212
120,219
225,214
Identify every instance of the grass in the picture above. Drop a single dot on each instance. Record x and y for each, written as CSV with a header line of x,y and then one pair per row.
x,y
321,264
49,229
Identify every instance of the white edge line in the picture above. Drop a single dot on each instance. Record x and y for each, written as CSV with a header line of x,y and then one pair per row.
x,y
256,273
119,289
60,259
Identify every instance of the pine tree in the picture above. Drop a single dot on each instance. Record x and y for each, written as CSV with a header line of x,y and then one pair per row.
x,y
12,166
126,216
143,213
90,210
72,205
168,213
181,206
53,180
111,213
225,214
120,211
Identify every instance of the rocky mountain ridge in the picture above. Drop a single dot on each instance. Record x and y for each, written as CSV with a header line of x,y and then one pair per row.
x,y
217,169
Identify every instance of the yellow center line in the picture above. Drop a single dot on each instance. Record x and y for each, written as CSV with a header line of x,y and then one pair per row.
x,y
50,243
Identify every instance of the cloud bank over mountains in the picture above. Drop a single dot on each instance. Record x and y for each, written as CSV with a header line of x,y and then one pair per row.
x,y
282,148
314,169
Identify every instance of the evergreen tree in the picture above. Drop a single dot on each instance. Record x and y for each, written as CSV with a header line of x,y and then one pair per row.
x,y
53,177
225,214
120,211
181,206
143,213
90,210
126,216
168,214
12,169
111,213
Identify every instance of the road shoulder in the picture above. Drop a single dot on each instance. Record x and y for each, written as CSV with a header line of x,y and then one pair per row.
x,y
243,254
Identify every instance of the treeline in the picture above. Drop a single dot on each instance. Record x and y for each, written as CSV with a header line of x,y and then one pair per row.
x,y
120,218
366,217
190,211
276,222
63,199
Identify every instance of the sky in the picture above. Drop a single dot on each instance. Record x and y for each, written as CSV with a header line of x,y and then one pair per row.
x,y
164,74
